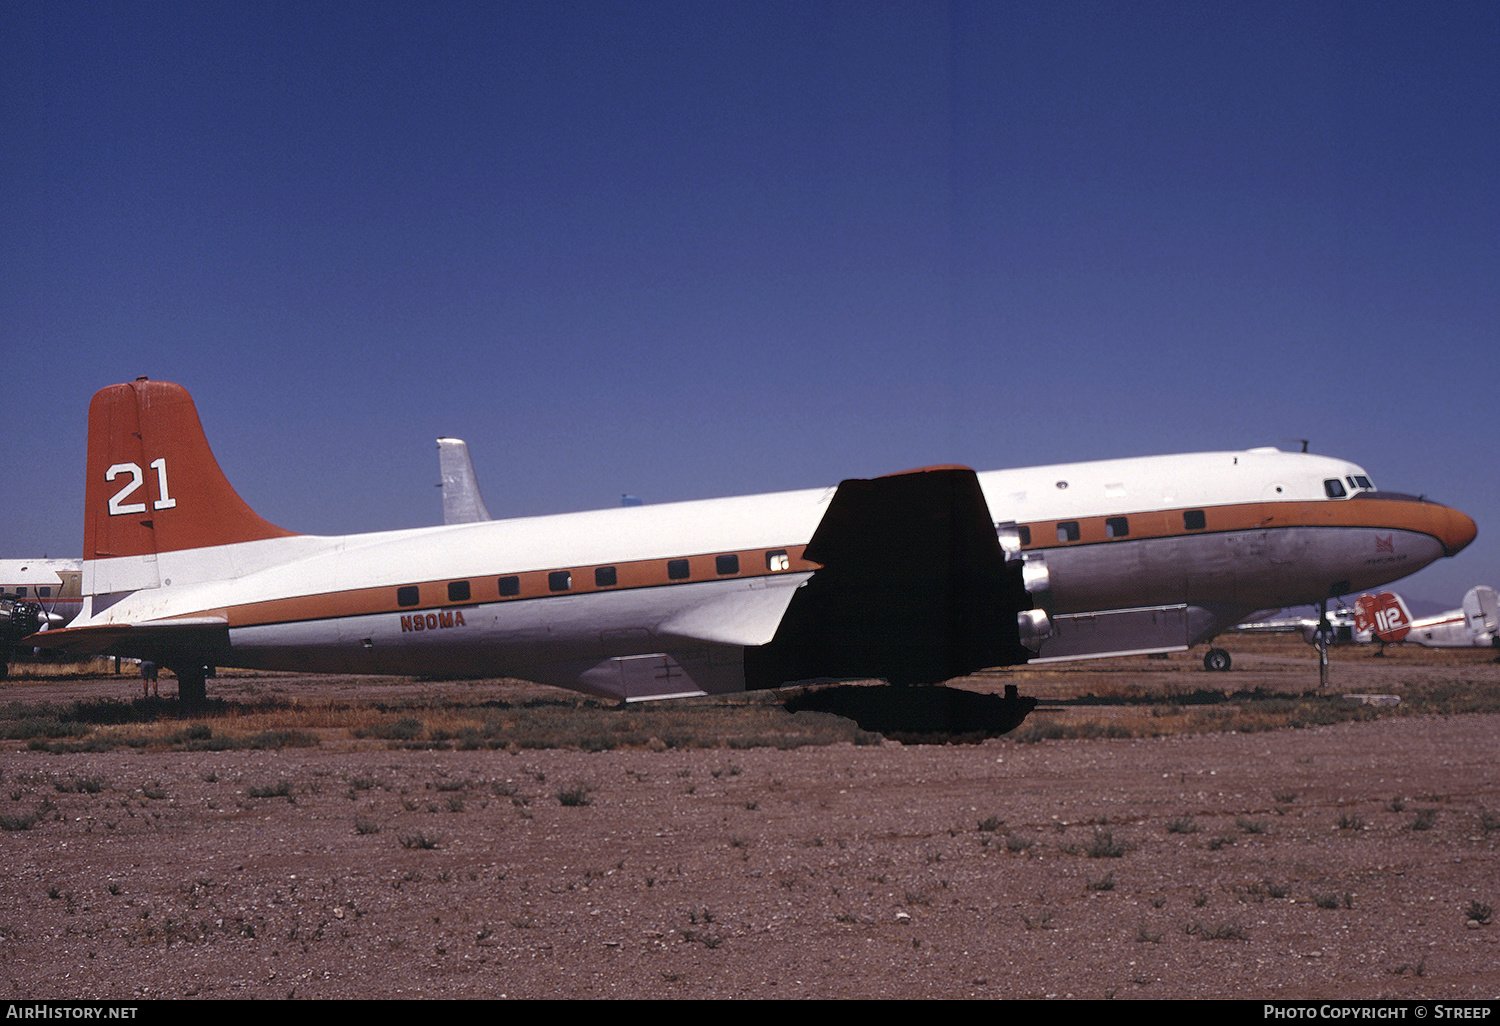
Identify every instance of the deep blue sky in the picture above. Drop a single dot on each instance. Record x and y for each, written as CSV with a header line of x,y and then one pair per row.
x,y
708,248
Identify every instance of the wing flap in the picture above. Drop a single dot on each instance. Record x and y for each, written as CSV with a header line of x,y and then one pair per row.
x,y
748,616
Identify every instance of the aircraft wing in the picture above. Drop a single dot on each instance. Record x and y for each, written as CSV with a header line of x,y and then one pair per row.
x,y
913,588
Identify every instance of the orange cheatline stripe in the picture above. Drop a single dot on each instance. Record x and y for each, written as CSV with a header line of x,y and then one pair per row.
x,y
534,584
1381,514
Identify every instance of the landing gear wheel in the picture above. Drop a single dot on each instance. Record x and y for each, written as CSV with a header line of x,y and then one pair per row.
x,y
1217,660
191,687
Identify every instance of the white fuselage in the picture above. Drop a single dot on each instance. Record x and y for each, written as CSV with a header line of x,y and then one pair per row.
x,y
1146,554
1475,625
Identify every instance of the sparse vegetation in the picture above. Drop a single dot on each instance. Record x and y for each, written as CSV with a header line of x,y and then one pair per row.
x,y
1042,921
1018,842
577,795
18,821
797,876
1424,819
562,721
1103,845
280,789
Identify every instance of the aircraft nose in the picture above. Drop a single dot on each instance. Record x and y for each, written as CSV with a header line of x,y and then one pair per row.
x,y
1457,531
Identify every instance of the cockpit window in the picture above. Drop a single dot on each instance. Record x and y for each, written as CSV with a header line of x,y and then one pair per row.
x,y
1362,481
1334,487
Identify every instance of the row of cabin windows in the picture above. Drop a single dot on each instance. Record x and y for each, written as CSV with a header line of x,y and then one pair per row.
x,y
604,577
42,591
1114,527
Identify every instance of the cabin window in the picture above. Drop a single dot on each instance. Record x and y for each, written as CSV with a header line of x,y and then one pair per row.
x,y
605,577
1067,531
1023,533
510,587
778,560
560,580
1116,527
44,592
1334,487
20,593
1194,520
729,564
407,596
458,591
677,569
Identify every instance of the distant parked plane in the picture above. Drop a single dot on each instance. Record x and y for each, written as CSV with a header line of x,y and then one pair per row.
x,y
1475,624
54,584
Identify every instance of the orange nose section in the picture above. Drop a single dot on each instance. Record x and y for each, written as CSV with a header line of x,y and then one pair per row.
x,y
1458,530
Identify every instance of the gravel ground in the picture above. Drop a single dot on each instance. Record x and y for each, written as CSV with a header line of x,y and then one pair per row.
x,y
1331,862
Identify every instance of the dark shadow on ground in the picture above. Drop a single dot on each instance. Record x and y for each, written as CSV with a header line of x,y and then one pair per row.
x,y
923,714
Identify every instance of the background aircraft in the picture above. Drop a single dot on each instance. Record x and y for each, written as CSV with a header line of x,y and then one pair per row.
x,y
462,503
36,594
1475,624
54,584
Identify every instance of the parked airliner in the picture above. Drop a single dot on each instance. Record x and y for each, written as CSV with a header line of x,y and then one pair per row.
x,y
915,577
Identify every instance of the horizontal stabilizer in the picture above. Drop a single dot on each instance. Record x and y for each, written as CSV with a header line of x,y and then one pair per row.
x,y
204,639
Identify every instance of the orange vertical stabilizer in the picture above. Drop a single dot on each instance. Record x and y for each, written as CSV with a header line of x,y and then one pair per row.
x,y
153,483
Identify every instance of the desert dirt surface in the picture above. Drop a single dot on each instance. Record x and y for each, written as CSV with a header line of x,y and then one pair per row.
x,y
1332,862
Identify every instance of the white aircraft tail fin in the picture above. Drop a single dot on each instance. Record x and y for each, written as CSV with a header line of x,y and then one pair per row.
x,y
1385,615
462,503
1482,611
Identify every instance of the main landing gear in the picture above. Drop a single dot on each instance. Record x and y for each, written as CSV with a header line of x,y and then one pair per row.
x,y
192,684
1217,660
